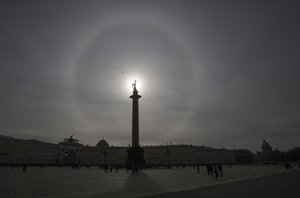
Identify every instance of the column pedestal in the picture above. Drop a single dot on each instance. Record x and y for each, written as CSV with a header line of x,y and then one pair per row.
x,y
135,157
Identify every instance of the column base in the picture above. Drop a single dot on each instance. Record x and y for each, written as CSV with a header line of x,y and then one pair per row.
x,y
135,157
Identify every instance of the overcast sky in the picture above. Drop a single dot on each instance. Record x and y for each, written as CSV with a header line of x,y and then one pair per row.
x,y
218,73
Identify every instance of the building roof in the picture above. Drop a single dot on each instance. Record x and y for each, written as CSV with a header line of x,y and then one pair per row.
x,y
70,141
102,143
266,146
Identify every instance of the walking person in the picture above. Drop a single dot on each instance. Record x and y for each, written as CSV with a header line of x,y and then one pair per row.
x,y
216,172
208,169
211,170
220,170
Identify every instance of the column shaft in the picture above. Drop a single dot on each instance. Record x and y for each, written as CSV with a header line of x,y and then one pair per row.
x,y
135,122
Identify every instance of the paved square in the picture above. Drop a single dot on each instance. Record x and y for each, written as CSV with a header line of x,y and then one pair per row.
x,y
67,182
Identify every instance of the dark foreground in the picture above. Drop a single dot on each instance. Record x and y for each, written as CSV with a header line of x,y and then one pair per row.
x,y
285,185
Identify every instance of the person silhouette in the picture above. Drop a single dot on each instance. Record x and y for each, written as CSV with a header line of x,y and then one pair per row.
x,y
220,170
208,169
24,168
216,171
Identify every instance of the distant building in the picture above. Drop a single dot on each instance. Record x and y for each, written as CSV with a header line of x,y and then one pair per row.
x,y
268,154
71,152
244,156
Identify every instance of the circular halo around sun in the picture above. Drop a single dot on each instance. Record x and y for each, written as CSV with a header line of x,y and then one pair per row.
x,y
116,57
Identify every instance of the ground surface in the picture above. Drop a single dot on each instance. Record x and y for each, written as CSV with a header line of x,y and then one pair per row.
x,y
281,185
54,182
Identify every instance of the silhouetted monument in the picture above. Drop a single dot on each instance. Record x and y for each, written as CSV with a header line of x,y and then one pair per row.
x,y
135,156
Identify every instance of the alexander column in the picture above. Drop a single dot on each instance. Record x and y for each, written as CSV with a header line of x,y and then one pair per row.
x,y
135,156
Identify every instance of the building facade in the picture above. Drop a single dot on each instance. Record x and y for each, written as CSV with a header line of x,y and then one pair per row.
x,y
71,152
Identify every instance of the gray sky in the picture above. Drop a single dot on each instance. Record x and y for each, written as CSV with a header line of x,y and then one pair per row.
x,y
218,73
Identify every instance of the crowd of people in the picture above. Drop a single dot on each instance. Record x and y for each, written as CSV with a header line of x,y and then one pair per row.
x,y
215,170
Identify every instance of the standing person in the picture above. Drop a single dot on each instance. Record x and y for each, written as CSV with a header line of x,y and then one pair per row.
x,y
208,169
198,169
24,168
216,171
211,170
220,170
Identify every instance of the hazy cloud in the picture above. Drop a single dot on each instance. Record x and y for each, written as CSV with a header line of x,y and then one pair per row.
x,y
221,73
